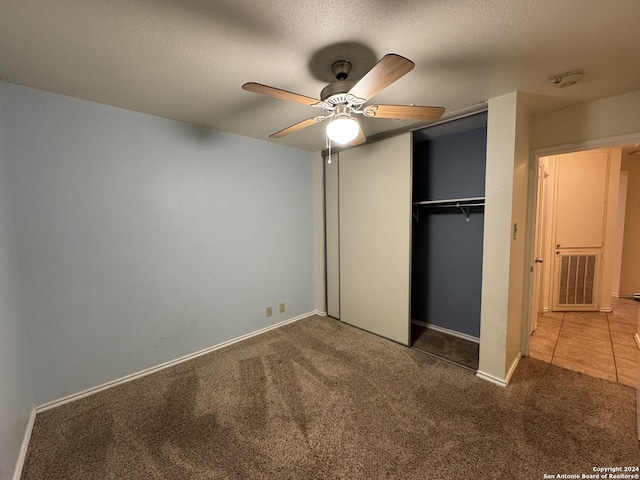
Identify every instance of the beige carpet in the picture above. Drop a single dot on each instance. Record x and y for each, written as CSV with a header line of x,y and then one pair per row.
x,y
318,399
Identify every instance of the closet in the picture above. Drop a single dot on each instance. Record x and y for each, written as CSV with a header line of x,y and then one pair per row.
x,y
404,232
449,163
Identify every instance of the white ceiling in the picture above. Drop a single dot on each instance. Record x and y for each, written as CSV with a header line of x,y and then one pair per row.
x,y
187,59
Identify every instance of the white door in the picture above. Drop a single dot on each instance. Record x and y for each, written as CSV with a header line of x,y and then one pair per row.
x,y
539,246
375,237
581,193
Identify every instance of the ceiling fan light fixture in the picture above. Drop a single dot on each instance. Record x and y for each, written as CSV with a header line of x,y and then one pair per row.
x,y
343,129
342,98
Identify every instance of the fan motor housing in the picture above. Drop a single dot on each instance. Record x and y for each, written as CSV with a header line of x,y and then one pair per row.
x,y
336,93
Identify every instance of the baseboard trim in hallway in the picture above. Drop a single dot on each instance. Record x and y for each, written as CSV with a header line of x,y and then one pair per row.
x,y
162,366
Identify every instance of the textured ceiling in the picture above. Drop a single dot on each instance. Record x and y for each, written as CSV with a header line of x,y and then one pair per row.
x,y
187,59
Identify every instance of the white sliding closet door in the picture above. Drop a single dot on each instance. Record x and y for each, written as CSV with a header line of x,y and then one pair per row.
x,y
375,237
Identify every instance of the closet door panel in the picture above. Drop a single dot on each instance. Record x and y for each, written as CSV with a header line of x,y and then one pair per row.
x,y
375,237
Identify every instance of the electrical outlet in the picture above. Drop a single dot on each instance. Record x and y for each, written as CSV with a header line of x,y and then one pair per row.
x,y
269,311
282,308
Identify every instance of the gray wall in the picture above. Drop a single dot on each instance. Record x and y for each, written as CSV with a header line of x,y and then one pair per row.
x,y
142,239
16,399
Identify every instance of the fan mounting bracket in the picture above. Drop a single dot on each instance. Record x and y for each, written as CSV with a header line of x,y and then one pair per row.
x,y
341,69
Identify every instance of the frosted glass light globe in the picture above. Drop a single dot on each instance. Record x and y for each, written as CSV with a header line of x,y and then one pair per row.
x,y
343,129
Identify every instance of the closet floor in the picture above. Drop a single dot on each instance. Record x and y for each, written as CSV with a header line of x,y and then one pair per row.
x,y
595,343
455,349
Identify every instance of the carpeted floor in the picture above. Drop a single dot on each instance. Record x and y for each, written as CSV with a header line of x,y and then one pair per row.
x,y
455,349
318,399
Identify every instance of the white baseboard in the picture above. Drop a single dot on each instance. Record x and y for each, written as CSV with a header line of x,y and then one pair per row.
x,y
491,378
637,337
447,331
606,310
321,314
171,363
25,446
499,381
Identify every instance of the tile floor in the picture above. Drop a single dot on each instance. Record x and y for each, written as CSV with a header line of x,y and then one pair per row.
x,y
595,343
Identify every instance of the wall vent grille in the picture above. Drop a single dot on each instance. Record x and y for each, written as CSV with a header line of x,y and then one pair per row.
x,y
577,280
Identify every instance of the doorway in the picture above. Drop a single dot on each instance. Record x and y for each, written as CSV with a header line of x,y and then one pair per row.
x,y
575,321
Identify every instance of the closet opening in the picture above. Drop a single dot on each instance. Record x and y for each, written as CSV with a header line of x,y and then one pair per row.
x,y
449,169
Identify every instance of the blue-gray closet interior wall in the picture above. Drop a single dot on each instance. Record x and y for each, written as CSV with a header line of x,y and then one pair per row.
x,y
447,249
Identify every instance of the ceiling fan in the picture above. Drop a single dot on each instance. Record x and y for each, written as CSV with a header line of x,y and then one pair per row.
x,y
342,99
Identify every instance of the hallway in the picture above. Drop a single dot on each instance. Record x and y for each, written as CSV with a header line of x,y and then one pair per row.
x,y
595,343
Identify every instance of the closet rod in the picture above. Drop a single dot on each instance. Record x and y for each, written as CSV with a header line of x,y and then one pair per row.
x,y
465,208
454,205
449,200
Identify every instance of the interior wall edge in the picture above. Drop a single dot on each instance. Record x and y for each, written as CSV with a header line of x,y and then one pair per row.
x,y
512,370
519,274
496,256
17,399
499,381
25,446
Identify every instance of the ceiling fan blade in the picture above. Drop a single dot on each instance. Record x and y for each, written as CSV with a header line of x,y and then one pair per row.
x,y
296,126
277,93
359,139
389,69
407,112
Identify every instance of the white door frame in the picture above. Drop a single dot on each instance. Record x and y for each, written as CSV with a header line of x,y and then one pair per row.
x,y
539,245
